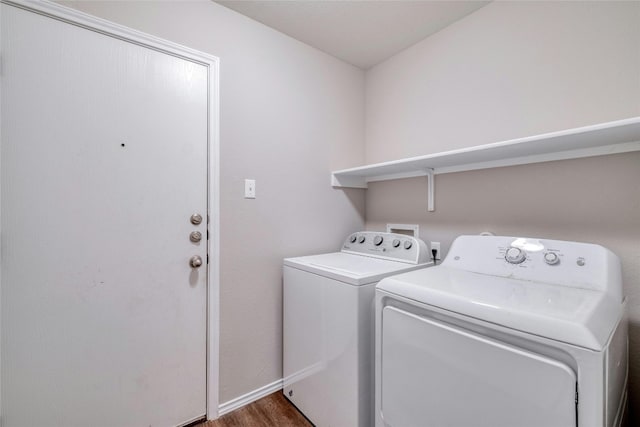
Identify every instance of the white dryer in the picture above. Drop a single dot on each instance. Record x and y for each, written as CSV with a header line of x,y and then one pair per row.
x,y
328,325
506,332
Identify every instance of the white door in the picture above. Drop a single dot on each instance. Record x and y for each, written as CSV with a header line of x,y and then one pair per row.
x,y
433,374
104,160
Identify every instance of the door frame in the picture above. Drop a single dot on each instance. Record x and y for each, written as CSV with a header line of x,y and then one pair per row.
x,y
212,63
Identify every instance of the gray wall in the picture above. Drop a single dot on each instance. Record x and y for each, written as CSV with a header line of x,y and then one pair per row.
x,y
508,70
515,69
289,115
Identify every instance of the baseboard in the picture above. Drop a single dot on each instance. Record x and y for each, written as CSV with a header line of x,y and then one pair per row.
x,y
252,396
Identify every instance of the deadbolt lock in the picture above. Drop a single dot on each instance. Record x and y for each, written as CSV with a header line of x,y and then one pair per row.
x,y
196,219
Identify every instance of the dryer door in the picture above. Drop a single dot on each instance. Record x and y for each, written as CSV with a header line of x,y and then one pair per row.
x,y
433,374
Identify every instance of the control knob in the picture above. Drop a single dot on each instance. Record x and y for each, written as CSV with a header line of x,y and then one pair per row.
x,y
353,238
396,243
515,255
551,258
378,240
362,239
408,244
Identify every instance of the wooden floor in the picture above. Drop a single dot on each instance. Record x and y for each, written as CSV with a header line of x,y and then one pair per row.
x,y
273,410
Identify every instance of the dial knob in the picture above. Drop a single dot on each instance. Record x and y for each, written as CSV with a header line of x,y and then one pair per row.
x,y
362,239
378,240
515,255
408,244
551,258
353,238
396,243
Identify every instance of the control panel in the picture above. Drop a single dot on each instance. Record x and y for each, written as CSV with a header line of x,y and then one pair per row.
x,y
396,247
574,264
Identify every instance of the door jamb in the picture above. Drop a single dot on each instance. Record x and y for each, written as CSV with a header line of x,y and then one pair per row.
x,y
84,20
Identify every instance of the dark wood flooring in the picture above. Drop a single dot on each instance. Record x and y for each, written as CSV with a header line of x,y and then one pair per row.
x,y
273,410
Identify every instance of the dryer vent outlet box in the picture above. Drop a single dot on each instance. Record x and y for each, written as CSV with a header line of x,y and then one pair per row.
x,y
406,229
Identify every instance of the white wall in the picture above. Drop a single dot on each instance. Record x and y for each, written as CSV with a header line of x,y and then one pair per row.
x,y
515,69
289,115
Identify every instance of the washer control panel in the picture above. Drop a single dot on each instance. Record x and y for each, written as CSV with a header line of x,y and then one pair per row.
x,y
573,264
391,246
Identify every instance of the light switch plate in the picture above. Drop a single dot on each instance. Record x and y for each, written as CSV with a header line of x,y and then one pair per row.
x,y
249,188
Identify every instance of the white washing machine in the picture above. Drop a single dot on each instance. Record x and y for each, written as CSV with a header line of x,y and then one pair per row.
x,y
506,332
328,325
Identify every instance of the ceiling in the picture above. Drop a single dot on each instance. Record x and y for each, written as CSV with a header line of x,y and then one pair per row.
x,y
362,33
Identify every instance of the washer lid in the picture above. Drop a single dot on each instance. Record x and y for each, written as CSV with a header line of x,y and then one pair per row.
x,y
582,317
353,269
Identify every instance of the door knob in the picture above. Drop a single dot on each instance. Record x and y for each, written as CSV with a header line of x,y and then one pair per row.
x,y
195,261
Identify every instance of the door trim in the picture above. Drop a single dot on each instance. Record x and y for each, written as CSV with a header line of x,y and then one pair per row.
x,y
81,19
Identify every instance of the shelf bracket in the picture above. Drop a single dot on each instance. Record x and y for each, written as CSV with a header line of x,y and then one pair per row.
x,y
430,190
